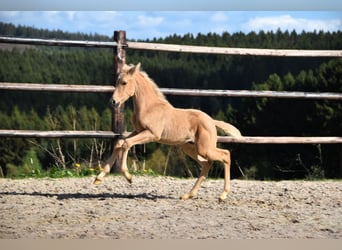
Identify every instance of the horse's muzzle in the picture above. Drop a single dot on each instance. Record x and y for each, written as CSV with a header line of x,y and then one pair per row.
x,y
114,103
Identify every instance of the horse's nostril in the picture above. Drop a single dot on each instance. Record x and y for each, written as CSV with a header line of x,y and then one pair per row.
x,y
113,103
116,104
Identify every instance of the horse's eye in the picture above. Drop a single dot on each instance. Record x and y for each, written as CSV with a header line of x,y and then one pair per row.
x,y
124,83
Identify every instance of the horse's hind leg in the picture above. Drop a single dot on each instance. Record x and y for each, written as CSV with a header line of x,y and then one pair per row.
x,y
207,148
222,155
191,150
226,162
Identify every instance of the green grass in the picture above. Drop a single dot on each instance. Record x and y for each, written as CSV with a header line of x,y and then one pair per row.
x,y
77,170
20,172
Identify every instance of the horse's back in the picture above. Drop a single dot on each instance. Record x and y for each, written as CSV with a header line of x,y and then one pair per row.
x,y
200,121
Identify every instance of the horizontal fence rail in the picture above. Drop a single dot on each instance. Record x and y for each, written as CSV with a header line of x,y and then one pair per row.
x,y
57,87
172,91
224,139
234,51
281,140
56,134
251,93
177,48
56,42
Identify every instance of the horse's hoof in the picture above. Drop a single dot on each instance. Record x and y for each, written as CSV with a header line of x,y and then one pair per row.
x,y
186,196
223,196
128,177
97,181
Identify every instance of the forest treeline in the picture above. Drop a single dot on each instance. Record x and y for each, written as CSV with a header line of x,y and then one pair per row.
x,y
253,116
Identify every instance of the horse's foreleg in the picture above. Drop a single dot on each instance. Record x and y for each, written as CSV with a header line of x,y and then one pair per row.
x,y
140,138
118,149
109,163
124,168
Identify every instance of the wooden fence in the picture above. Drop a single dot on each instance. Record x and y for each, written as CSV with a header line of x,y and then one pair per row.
x,y
119,46
172,91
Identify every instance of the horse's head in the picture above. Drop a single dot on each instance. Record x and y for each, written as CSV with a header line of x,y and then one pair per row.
x,y
125,85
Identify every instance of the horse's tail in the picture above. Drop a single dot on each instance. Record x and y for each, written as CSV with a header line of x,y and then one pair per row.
x,y
228,128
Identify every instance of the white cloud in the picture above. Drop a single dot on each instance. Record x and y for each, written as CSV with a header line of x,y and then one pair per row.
x,y
149,21
71,15
287,22
103,17
219,17
10,14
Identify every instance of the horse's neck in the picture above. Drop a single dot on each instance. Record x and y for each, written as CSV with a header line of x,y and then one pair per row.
x,y
146,97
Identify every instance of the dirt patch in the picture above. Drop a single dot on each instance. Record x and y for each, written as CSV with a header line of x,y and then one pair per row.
x,y
150,209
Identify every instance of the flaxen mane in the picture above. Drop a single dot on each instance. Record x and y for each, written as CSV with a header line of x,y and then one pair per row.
x,y
153,84
148,79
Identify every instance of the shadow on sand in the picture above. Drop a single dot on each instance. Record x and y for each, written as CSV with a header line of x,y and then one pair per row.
x,y
102,196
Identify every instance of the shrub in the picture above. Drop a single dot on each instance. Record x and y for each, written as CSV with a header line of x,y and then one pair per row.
x,y
30,167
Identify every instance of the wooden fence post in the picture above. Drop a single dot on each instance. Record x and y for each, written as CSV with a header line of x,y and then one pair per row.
x,y
119,54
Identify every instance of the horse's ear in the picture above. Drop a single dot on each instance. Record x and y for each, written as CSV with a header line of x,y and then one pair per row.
x,y
126,68
135,69
138,66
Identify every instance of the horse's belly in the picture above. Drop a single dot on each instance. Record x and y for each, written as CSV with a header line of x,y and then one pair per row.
x,y
176,137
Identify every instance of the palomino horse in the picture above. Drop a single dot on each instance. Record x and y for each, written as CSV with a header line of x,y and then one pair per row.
x,y
156,120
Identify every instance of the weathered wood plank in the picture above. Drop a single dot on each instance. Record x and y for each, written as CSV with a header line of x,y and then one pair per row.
x,y
172,91
56,134
177,48
253,93
56,42
57,87
234,51
223,139
280,140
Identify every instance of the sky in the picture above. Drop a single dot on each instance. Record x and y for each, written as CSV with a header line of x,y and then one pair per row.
x,y
148,19
208,5
151,24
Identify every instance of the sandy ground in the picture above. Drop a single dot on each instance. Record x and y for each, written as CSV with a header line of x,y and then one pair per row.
x,y
150,209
